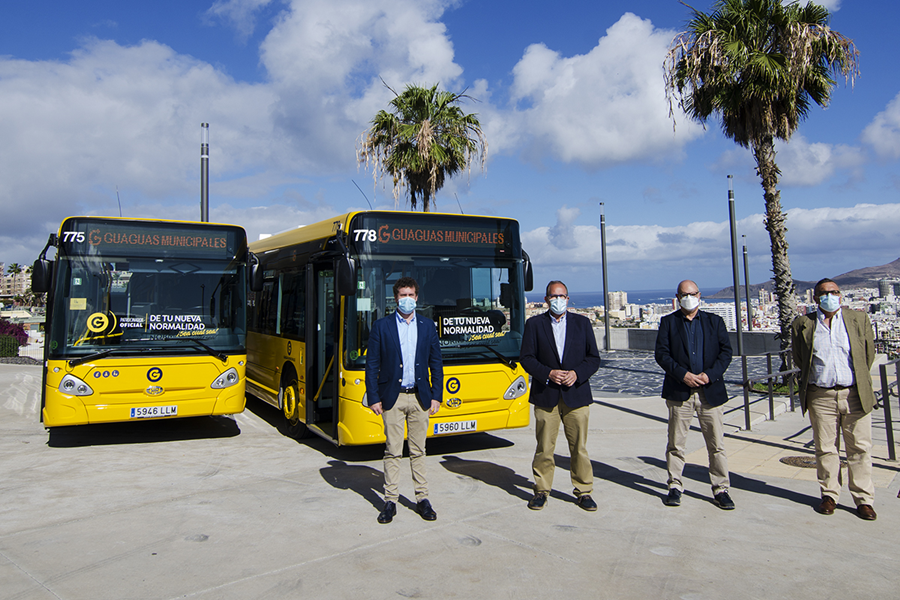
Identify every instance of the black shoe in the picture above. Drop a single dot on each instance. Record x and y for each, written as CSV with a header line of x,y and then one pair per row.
x,y
387,513
674,497
423,507
586,502
724,501
538,501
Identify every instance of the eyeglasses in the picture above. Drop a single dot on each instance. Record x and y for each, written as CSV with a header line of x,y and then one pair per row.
x,y
694,294
557,296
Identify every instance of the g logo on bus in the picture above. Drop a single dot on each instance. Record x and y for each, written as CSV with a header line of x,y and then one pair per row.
x,y
453,385
97,322
154,374
454,403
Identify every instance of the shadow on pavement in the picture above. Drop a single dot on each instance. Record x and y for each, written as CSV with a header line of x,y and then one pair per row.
x,y
365,481
632,480
740,482
143,432
492,474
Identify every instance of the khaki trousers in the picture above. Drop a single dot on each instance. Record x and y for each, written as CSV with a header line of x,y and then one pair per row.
x,y
836,412
407,411
546,429
680,416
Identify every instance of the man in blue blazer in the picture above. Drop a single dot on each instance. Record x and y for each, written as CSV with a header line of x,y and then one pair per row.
x,y
559,351
693,349
403,348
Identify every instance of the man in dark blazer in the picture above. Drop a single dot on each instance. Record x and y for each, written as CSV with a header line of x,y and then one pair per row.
x,y
559,351
692,347
834,350
403,348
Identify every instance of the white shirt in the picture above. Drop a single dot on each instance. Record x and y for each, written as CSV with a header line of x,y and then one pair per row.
x,y
559,334
409,337
831,364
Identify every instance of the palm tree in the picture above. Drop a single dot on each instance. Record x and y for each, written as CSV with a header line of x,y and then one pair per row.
x,y
424,139
756,64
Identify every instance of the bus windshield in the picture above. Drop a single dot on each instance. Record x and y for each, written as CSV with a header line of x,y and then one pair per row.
x,y
474,301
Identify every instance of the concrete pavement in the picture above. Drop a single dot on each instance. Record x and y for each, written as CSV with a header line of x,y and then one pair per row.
x,y
220,508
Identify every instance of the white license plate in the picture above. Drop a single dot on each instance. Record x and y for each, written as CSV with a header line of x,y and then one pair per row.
x,y
146,412
454,427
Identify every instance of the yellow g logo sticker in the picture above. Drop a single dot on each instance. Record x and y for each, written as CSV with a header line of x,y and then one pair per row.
x,y
97,322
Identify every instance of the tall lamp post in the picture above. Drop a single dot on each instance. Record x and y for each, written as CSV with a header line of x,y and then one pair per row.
x,y
737,298
204,172
606,344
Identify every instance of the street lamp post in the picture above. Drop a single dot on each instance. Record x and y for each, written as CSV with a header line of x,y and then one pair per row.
x,y
204,172
606,344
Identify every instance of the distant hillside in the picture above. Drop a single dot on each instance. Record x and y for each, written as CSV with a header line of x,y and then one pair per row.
x,y
865,277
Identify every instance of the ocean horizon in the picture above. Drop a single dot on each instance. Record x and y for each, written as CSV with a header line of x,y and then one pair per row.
x,y
587,299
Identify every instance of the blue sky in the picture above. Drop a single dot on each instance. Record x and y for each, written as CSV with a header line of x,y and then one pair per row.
x,y
100,95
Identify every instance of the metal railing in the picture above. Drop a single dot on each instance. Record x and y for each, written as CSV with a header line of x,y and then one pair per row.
x,y
768,377
886,389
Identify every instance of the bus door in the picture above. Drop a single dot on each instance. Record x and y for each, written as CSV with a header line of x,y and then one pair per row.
x,y
322,329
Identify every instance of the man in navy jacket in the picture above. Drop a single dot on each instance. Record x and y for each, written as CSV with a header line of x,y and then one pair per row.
x,y
403,348
559,351
693,349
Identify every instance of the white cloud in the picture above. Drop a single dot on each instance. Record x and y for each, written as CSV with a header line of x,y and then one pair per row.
x,y
883,133
241,14
601,108
822,240
802,163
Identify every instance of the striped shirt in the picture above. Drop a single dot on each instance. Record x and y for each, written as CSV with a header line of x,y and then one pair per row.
x,y
831,364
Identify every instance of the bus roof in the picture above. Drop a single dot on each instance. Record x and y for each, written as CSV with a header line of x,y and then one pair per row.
x,y
327,228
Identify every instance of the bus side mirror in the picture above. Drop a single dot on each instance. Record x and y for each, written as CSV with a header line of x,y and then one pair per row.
x,y
505,295
346,276
256,274
41,274
529,273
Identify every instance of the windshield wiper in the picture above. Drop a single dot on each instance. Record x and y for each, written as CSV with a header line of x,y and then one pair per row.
x,y
89,357
216,353
509,363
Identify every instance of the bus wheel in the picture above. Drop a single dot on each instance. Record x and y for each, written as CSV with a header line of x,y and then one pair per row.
x,y
290,405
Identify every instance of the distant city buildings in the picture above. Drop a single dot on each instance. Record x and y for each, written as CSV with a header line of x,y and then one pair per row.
x,y
617,300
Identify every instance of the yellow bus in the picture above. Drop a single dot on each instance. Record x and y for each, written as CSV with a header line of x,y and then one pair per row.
x,y
146,319
324,285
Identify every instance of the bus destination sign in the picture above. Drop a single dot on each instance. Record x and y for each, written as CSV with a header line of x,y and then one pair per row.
x,y
433,235
82,236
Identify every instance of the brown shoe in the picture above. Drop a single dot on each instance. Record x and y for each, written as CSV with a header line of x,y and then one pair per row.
x,y
827,506
866,512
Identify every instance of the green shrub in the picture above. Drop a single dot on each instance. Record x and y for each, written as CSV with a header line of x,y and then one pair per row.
x,y
9,346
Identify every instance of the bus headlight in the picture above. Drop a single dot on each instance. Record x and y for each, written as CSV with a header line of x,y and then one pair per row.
x,y
226,379
516,389
75,387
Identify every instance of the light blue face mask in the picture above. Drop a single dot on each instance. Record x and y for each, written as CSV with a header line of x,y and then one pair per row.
x,y
829,303
406,304
558,305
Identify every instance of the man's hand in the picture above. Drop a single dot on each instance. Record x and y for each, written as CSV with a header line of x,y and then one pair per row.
x,y
435,406
695,381
560,377
376,408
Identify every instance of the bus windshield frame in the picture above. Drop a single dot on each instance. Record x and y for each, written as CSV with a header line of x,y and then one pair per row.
x,y
470,273
132,287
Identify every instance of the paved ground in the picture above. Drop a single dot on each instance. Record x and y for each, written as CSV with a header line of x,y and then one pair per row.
x,y
220,508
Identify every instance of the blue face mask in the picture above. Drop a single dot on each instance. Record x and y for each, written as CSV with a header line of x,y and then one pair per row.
x,y
406,305
829,303
558,305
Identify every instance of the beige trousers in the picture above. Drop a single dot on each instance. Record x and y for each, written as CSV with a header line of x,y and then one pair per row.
x,y
407,411
836,412
546,429
680,416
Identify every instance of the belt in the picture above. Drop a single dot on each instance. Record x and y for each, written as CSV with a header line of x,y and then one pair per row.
x,y
834,387
409,390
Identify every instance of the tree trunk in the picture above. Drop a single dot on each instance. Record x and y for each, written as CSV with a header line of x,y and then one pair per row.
x,y
764,152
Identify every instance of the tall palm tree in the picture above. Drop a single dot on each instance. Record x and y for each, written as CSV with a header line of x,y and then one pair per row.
x,y
424,139
757,64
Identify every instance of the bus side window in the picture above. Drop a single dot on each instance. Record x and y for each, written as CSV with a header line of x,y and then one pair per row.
x,y
293,305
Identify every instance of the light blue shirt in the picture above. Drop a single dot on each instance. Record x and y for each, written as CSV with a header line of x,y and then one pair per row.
x,y
409,337
559,334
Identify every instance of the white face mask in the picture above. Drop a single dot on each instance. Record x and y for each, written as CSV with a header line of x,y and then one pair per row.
x,y
558,305
689,303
